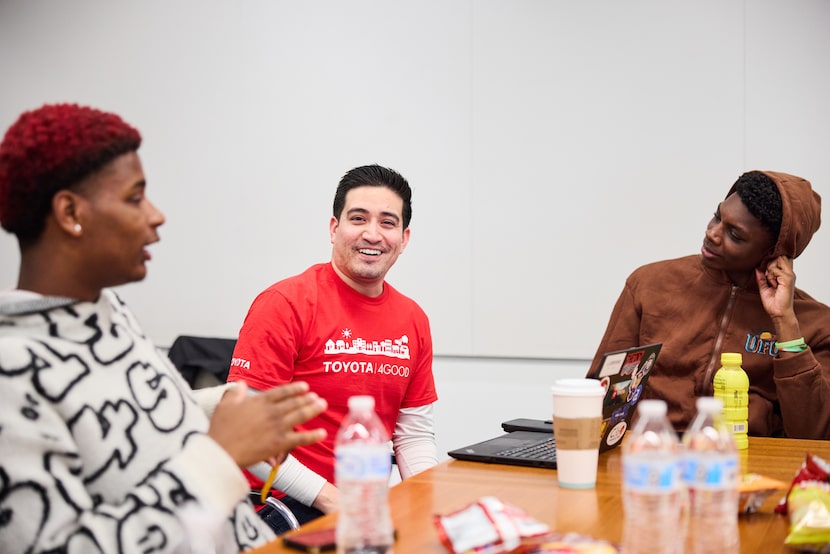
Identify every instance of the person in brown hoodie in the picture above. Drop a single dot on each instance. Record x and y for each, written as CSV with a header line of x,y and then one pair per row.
x,y
737,295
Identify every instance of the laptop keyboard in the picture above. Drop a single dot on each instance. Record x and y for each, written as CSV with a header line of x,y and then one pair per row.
x,y
544,449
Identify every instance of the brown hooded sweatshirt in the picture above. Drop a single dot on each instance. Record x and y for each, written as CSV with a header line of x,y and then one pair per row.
x,y
698,313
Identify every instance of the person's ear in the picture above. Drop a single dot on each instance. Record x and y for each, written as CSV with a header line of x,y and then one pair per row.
x,y
68,212
405,240
333,225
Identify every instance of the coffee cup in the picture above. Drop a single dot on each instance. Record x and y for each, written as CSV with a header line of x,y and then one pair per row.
x,y
577,421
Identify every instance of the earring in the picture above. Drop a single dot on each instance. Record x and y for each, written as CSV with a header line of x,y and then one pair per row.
x,y
77,228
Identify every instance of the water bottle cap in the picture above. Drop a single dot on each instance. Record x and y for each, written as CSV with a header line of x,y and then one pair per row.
x,y
361,403
731,358
709,405
656,408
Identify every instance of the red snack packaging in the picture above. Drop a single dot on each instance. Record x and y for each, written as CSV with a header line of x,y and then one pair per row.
x,y
487,526
813,469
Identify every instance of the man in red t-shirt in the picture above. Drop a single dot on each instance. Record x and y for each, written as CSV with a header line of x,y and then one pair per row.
x,y
344,330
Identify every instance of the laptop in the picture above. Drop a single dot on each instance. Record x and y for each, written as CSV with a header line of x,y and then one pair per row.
x,y
530,442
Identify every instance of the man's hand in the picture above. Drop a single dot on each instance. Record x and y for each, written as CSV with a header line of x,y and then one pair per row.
x,y
261,427
776,286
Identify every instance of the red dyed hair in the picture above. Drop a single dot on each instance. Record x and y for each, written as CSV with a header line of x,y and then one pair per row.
x,y
50,149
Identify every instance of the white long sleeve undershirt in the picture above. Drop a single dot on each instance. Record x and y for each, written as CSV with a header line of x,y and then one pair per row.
x,y
413,443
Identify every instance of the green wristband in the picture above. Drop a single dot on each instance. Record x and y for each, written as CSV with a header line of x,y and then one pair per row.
x,y
795,345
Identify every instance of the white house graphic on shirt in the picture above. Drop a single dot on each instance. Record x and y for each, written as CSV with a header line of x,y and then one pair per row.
x,y
392,348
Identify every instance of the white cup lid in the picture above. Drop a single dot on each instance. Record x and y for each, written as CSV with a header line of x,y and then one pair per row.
x,y
578,387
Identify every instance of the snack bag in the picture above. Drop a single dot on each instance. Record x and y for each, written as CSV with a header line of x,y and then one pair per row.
x,y
487,526
809,508
813,469
754,489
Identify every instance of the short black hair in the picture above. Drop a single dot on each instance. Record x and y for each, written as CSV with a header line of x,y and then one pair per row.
x,y
760,195
374,176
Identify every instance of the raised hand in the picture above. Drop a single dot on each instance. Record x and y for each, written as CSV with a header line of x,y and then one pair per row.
x,y
253,428
776,286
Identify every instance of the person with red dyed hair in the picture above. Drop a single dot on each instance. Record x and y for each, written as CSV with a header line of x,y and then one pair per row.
x,y
103,446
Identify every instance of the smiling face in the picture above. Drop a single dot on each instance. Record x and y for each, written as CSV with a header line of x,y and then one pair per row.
x,y
368,237
735,241
117,222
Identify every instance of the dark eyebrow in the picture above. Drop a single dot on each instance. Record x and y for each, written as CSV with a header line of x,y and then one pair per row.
x,y
729,224
393,215
364,211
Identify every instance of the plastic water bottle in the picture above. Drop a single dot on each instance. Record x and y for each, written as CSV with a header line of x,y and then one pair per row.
x,y
710,471
361,472
731,385
653,493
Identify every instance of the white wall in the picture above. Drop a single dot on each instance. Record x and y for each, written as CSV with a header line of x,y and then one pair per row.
x,y
552,146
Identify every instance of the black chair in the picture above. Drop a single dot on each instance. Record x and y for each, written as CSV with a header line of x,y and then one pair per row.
x,y
202,361
275,513
205,362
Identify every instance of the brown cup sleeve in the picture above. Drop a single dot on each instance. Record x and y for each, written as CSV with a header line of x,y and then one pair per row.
x,y
577,433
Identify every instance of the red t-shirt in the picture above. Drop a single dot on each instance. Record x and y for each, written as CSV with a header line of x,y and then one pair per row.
x,y
313,327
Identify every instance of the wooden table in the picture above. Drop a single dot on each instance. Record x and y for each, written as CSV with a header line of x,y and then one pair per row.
x,y
597,512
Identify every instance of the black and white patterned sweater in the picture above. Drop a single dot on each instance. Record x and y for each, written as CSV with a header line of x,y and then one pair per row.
x,y
102,443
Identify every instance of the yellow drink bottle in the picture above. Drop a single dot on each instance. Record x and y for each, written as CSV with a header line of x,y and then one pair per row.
x,y
731,385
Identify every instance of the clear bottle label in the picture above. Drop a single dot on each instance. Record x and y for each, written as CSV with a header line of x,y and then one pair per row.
x,y
646,474
707,471
362,462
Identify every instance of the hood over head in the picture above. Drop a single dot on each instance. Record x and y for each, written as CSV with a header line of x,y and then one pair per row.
x,y
801,213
